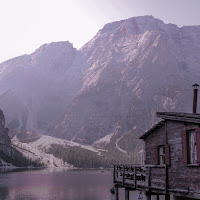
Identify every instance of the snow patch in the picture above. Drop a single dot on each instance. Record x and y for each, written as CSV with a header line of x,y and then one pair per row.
x,y
104,141
37,150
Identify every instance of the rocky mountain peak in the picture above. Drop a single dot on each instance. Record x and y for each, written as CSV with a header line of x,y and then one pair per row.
x,y
130,32
137,66
118,80
135,25
53,54
54,46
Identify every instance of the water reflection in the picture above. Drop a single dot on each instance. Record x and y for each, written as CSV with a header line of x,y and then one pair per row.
x,y
51,184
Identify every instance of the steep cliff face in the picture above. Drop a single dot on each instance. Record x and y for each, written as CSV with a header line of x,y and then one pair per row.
x,y
137,67
5,142
36,89
108,92
7,153
10,156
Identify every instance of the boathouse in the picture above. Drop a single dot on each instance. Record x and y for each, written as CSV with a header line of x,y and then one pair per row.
x,y
171,159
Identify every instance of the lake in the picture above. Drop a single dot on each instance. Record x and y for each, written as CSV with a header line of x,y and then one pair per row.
x,y
57,184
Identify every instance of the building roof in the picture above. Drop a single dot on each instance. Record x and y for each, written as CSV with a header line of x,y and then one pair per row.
x,y
185,117
153,128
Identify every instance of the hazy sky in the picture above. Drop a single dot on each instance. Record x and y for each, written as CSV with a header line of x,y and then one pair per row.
x,y
27,24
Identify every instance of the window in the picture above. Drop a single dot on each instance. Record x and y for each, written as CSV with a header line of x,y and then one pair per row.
x,y
192,147
161,155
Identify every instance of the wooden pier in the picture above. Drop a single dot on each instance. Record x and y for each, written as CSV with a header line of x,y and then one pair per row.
x,y
152,179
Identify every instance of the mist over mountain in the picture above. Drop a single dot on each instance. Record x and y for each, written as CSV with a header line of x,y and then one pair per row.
x,y
106,93
37,88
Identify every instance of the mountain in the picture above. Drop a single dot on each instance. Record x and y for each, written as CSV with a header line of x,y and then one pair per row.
x,y
10,156
36,89
54,152
107,93
5,145
137,66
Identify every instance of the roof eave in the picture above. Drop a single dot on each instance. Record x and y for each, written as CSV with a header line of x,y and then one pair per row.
x,y
153,128
185,117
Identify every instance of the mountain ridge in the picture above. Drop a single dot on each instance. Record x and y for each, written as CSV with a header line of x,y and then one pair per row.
x,y
157,45
106,93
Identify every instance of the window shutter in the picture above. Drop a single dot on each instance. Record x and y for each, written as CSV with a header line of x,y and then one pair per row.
x,y
155,155
184,147
167,154
198,144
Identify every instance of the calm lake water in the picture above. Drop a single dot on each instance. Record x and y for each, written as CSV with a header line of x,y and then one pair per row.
x,y
57,184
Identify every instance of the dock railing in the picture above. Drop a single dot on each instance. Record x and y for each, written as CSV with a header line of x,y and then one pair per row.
x,y
147,177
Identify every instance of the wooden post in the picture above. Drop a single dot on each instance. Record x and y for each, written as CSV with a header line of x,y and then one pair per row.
x,y
167,196
148,197
123,175
149,178
116,192
126,194
135,177
174,197
157,197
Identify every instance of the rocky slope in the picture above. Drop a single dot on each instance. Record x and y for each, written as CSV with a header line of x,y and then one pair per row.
x,y
9,156
107,93
137,67
36,89
55,152
5,142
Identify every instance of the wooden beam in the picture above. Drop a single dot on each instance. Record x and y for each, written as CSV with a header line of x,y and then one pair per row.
x,y
178,190
166,180
149,178
174,197
167,197
148,197
180,118
123,175
135,181
116,192
126,194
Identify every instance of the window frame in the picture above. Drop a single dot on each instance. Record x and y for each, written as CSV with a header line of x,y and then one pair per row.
x,y
185,146
166,155
191,149
161,155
